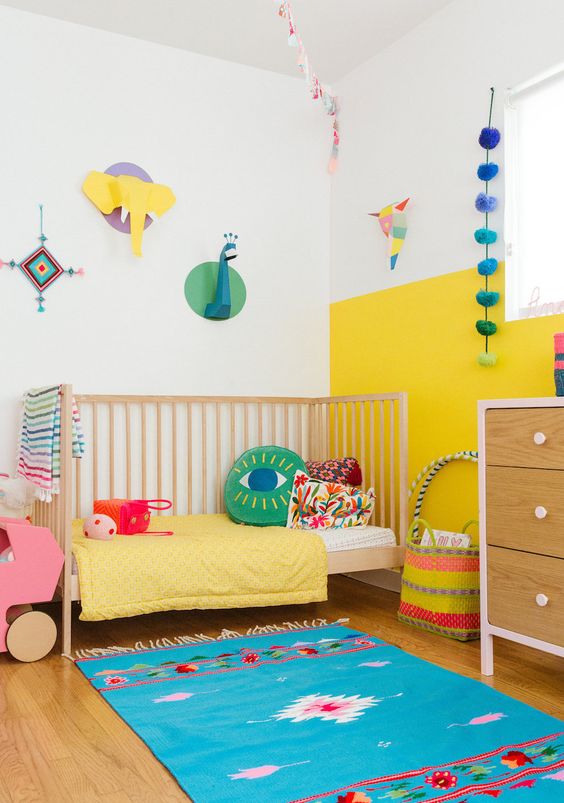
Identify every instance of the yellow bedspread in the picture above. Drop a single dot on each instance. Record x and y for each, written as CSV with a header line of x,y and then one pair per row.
x,y
209,562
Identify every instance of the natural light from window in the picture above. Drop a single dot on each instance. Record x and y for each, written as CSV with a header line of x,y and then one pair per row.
x,y
534,204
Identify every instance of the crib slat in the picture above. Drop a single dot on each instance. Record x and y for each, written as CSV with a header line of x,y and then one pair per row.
x,y
363,441
381,447
174,462
259,414
336,429
273,424
78,487
128,449
143,437
218,482
232,423
372,466
299,428
287,426
189,456
94,451
245,427
392,467
204,459
111,447
159,452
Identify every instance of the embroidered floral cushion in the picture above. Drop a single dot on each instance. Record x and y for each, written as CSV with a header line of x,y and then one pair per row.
x,y
345,470
318,505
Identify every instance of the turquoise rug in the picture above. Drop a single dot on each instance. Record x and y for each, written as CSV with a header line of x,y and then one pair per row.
x,y
329,715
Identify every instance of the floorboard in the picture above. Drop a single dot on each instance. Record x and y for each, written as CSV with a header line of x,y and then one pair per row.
x,y
59,740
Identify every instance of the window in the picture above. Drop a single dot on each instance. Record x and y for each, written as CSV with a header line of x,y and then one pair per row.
x,y
534,207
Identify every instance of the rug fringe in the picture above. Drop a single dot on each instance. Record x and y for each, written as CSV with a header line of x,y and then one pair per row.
x,y
201,638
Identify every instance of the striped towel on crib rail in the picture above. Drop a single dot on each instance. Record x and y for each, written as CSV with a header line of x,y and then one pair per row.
x,y
39,454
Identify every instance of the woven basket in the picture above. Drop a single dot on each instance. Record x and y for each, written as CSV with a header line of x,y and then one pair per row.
x,y
440,588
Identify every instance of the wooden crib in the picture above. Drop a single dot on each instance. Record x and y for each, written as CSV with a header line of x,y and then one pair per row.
x,y
181,448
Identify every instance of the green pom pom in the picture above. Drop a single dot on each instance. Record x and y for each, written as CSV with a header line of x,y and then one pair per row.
x,y
487,359
486,328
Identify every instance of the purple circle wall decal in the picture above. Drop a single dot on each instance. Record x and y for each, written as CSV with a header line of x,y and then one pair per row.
x,y
126,169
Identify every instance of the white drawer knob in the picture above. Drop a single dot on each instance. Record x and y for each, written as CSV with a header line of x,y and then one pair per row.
x,y
540,512
541,600
539,438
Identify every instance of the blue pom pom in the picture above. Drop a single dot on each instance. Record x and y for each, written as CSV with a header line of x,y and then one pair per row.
x,y
485,236
487,266
485,203
487,171
487,298
489,138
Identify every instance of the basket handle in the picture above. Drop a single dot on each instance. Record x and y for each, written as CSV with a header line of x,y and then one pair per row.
x,y
412,527
469,523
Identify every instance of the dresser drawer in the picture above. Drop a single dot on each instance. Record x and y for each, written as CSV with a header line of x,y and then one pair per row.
x,y
529,437
516,583
525,509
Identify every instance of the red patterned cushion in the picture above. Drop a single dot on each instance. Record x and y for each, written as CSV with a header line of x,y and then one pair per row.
x,y
345,470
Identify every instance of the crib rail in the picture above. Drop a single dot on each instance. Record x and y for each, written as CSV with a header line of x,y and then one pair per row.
x,y
181,447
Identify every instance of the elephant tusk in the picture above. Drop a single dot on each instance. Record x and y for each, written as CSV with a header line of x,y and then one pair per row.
x,y
124,214
152,215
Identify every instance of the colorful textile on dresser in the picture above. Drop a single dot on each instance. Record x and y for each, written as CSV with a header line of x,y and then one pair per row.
x,y
317,505
345,470
209,562
39,455
329,715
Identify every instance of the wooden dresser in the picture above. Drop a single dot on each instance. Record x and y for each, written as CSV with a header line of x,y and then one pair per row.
x,y
521,463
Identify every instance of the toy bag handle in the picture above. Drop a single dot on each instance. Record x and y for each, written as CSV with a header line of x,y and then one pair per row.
x,y
157,504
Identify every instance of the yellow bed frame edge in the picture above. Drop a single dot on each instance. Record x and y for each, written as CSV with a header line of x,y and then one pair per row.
x,y
371,427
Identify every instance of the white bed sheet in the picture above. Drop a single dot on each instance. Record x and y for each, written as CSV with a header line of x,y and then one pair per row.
x,y
343,539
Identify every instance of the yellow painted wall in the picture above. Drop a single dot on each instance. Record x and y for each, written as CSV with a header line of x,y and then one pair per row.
x,y
420,338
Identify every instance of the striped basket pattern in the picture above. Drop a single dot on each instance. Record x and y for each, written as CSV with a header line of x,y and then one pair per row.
x,y
440,588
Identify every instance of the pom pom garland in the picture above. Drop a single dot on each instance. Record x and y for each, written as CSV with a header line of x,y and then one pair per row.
x,y
487,171
486,328
489,138
487,359
485,236
487,298
486,203
487,266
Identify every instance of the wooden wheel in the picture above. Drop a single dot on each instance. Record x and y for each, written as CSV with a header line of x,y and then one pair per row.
x,y
31,636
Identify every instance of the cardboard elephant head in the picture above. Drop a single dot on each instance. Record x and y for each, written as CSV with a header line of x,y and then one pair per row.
x,y
133,195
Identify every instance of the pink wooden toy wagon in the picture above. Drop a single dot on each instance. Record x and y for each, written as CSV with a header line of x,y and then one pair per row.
x,y
32,563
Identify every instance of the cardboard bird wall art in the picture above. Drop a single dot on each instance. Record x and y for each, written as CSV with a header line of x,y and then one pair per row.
x,y
393,222
128,198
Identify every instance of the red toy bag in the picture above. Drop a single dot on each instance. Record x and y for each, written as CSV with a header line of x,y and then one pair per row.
x,y
132,516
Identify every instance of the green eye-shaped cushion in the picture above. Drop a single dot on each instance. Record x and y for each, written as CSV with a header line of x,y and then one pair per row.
x,y
259,486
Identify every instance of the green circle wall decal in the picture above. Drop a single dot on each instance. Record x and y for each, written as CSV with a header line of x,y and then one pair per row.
x,y
215,290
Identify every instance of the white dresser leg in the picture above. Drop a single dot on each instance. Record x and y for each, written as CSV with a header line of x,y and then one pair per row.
x,y
486,645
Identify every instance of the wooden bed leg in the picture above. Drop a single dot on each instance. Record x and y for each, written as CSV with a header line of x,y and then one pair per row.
x,y
64,523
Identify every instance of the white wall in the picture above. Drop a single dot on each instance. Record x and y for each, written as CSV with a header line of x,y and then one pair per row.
x,y
410,122
244,151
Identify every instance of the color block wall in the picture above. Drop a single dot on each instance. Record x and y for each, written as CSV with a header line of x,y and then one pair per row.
x,y
420,337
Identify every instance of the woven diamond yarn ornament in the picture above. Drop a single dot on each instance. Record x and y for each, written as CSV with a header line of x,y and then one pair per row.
x,y
40,267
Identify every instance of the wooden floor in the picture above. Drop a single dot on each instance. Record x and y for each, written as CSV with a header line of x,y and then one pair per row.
x,y
59,740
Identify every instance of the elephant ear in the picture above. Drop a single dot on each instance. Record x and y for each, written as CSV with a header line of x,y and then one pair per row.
x,y
160,199
103,190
